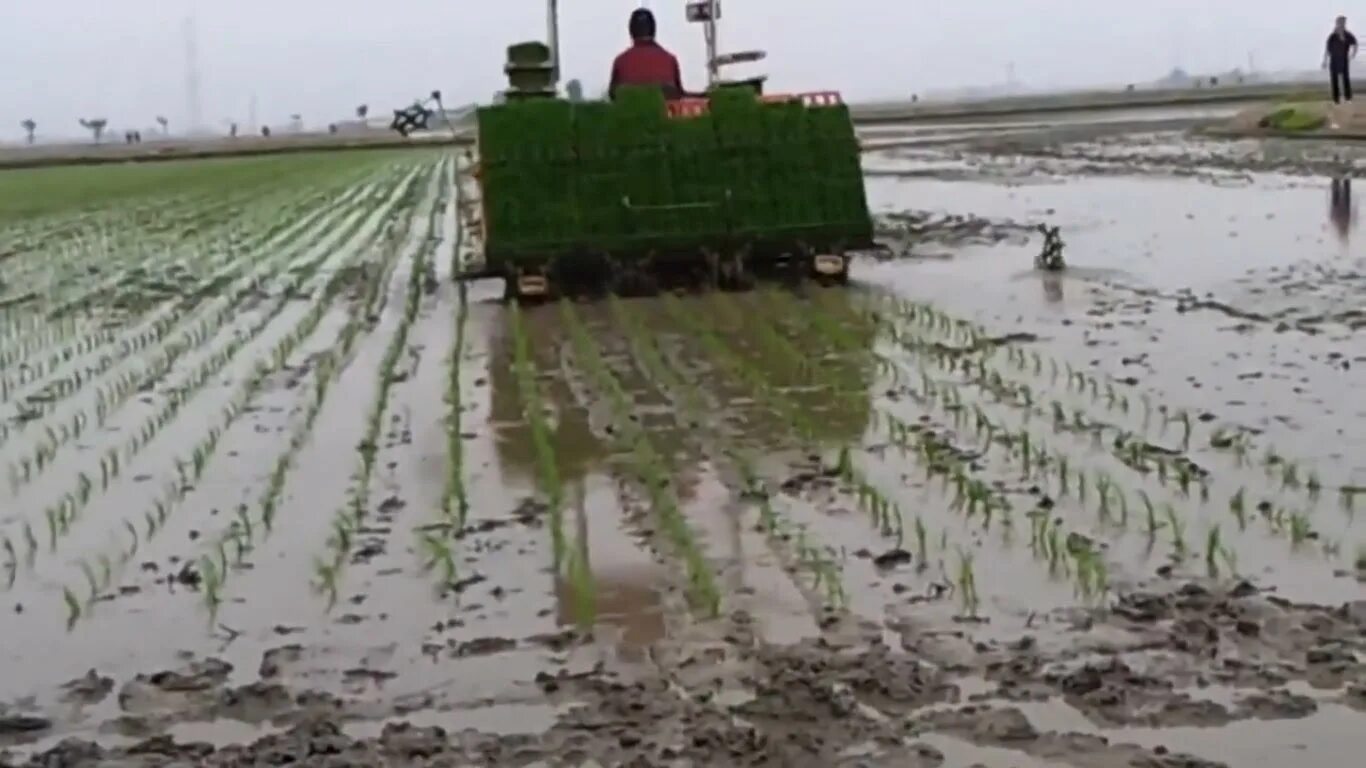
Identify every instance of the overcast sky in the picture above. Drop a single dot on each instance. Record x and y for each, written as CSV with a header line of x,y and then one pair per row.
x,y
125,59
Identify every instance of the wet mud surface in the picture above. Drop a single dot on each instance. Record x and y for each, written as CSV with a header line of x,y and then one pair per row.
x,y
957,513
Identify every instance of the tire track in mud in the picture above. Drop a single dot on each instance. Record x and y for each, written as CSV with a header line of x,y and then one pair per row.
x,y
356,376
121,620
472,645
388,643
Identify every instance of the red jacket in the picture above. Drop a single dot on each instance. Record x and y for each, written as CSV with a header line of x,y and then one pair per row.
x,y
647,63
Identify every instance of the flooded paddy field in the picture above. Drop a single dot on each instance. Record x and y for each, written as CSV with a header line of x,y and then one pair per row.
x,y
277,490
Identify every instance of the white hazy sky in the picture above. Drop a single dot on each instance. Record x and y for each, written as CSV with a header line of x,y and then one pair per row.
x,y
125,59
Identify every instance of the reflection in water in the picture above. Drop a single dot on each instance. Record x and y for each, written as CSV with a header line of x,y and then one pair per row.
x,y
578,452
1052,288
627,596
835,393
1341,211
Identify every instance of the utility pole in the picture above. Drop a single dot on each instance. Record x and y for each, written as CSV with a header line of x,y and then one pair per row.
x,y
192,111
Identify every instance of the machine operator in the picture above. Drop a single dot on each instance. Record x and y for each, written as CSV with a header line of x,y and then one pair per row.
x,y
646,62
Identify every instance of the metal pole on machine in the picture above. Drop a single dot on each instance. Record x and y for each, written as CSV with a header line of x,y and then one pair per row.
x,y
552,11
713,69
707,12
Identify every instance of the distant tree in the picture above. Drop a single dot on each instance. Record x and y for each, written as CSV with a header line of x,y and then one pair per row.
x,y
30,128
332,128
362,111
265,131
574,90
165,125
232,130
96,126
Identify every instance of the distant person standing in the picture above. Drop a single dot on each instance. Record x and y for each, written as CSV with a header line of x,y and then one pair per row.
x,y
1337,55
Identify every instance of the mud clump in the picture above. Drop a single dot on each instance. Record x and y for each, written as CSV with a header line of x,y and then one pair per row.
x,y
90,688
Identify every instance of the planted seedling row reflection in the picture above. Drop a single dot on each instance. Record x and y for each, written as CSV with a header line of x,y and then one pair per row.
x,y
791,542
885,514
652,472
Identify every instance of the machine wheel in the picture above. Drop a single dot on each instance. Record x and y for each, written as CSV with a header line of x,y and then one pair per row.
x,y
830,269
526,287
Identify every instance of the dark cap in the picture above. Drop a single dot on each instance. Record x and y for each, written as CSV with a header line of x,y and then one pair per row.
x,y
642,24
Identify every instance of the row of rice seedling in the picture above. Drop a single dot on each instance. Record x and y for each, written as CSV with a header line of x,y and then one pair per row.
x,y
885,514
63,513
74,310
1236,442
534,414
436,539
347,521
230,547
60,428
59,267
67,371
1110,499
972,494
1179,477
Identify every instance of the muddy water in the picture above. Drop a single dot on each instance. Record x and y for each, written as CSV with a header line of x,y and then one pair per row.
x,y
820,448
